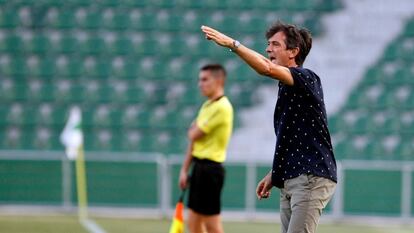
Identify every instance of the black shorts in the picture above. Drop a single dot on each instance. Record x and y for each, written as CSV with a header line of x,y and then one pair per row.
x,y
206,183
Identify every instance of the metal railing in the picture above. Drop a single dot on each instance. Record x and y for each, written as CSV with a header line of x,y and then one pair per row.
x,y
164,175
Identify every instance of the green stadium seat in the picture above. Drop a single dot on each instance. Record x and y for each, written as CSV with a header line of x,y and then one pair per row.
x,y
192,20
191,96
178,143
168,20
375,150
39,44
46,139
158,96
77,3
38,92
143,20
16,68
409,102
110,3
130,116
121,46
51,115
62,20
161,4
130,140
409,29
176,46
346,150
144,120
129,70
145,45
148,143
135,4
135,95
68,44
119,21
240,4
9,18
93,46
8,91
100,68
14,114
64,92
405,150
72,68
328,5
92,21
102,140
152,67
12,44
44,69
12,139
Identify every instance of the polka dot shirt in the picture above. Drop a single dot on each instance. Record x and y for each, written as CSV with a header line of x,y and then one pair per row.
x,y
303,142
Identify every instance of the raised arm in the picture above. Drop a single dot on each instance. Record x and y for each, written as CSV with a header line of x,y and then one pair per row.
x,y
258,62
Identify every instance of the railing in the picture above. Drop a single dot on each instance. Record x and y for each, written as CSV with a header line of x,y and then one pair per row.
x,y
373,188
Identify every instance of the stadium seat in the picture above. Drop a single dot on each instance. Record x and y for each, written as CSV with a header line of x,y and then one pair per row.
x,y
39,44
99,68
121,46
93,46
62,19
12,44
45,68
9,18
131,65
72,68
120,20
93,20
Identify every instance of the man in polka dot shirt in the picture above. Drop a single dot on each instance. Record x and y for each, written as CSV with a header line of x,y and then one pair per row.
x,y
304,166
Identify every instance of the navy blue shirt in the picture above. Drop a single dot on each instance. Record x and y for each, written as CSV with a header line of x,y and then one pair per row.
x,y
303,142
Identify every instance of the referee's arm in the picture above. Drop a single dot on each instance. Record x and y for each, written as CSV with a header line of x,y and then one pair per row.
x,y
194,133
258,62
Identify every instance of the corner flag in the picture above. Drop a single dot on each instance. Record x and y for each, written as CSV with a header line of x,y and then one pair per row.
x,y
177,225
72,136
72,139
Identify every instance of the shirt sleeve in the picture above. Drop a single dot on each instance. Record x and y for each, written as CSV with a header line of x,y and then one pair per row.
x,y
209,122
304,79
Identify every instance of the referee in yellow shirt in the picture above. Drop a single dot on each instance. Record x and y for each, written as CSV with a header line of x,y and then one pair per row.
x,y
208,137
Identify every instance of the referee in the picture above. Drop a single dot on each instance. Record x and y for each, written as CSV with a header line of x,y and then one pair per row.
x,y
304,167
208,137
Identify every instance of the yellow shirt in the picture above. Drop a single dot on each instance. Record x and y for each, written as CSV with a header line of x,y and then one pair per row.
x,y
215,119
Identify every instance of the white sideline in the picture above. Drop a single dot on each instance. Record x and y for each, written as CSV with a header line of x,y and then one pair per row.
x,y
91,226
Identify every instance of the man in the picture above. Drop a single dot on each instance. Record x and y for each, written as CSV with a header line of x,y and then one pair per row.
x,y
208,137
304,166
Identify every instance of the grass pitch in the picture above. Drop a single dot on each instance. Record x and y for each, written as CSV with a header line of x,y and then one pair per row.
x,y
70,224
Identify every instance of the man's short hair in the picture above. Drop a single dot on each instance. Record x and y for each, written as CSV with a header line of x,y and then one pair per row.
x,y
295,38
217,69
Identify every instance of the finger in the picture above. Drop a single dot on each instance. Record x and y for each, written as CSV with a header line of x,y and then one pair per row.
x,y
209,29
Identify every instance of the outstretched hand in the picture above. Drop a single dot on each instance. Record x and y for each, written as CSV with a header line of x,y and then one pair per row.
x,y
218,37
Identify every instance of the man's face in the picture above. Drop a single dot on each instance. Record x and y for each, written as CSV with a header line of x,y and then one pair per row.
x,y
208,83
276,49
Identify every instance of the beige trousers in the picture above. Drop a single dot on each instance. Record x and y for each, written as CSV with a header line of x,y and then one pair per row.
x,y
301,202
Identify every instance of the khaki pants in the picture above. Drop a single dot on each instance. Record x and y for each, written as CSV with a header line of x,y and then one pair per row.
x,y
301,202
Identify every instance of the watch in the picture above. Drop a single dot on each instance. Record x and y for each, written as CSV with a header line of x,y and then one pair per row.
x,y
236,45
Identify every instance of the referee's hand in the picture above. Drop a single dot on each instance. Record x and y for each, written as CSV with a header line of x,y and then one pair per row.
x,y
182,181
264,187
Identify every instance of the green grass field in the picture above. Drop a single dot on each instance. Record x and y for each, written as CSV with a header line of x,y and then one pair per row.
x,y
69,224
